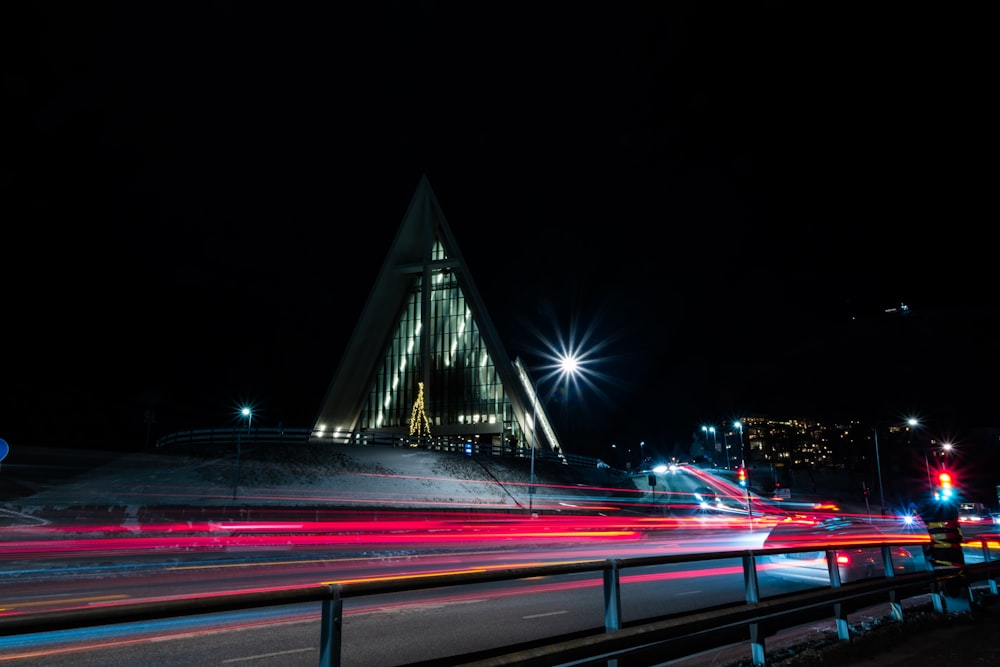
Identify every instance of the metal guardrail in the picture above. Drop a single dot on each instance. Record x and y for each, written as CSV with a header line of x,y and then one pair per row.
x,y
676,637
279,436
211,436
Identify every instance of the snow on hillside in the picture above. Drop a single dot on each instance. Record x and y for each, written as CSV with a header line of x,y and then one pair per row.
x,y
340,475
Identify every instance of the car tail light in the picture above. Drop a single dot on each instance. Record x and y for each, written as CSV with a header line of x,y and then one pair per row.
x,y
843,559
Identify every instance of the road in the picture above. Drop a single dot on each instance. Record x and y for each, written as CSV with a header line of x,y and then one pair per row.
x,y
566,605
81,561
380,630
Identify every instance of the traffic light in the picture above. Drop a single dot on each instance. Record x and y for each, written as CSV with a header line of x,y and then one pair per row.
x,y
945,490
741,475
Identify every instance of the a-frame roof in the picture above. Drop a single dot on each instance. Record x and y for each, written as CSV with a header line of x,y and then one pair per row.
x,y
409,258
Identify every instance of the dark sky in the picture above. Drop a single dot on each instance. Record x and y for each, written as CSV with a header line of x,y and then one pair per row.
x,y
724,197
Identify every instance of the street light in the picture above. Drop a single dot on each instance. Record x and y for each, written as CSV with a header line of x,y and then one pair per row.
x,y
725,442
707,430
878,467
642,454
743,455
739,424
946,450
245,412
912,424
568,366
531,478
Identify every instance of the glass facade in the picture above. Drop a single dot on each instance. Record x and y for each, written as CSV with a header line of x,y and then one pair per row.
x,y
463,393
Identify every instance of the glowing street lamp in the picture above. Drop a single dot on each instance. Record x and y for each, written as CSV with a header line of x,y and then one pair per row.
x,y
912,424
946,450
568,366
743,466
743,455
534,414
244,412
725,444
711,429
878,467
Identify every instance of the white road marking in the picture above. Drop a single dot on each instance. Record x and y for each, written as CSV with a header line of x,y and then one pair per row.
x,y
551,613
268,655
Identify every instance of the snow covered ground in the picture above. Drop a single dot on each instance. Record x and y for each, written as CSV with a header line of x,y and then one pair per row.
x,y
302,475
42,481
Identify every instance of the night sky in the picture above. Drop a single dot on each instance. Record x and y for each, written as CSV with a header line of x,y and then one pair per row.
x,y
719,201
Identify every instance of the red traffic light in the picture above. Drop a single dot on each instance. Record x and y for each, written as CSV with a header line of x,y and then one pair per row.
x,y
946,489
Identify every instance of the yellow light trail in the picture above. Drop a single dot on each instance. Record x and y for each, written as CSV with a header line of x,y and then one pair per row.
x,y
424,575
48,603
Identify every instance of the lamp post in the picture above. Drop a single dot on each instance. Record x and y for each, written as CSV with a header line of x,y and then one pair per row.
x,y
878,467
743,458
707,430
725,442
947,449
568,366
743,454
642,455
912,424
245,411
534,414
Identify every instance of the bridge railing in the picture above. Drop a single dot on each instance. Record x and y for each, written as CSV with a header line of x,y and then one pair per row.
x,y
279,436
677,637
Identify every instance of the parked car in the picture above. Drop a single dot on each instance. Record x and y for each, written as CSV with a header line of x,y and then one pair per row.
x,y
973,513
853,564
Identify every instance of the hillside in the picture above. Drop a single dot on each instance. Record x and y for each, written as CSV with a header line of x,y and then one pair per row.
x,y
289,476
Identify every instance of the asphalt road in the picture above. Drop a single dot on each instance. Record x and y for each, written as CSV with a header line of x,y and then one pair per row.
x,y
926,639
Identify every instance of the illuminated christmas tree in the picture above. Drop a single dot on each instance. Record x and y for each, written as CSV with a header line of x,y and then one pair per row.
x,y
419,424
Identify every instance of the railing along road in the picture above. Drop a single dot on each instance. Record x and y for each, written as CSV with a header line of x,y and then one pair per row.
x,y
672,638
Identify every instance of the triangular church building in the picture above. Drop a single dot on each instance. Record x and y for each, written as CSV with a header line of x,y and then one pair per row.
x,y
425,365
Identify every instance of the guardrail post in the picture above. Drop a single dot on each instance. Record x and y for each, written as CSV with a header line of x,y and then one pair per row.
x,y
887,566
895,606
988,558
330,629
839,613
750,586
833,568
612,598
840,617
758,656
751,591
